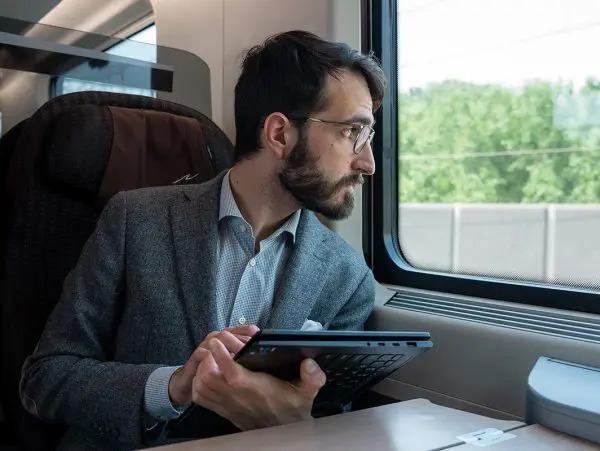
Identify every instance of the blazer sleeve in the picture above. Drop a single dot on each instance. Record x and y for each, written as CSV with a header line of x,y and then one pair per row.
x,y
354,313
68,378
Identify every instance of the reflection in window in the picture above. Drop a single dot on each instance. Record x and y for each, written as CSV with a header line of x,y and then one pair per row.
x,y
499,136
140,46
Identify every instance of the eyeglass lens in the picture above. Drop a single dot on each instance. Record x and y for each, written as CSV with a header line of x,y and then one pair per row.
x,y
362,138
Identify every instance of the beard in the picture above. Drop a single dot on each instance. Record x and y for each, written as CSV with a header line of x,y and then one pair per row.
x,y
310,187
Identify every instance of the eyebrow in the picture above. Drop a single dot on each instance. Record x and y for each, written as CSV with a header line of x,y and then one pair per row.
x,y
360,119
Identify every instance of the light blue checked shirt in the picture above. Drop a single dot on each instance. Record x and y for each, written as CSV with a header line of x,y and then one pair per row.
x,y
245,285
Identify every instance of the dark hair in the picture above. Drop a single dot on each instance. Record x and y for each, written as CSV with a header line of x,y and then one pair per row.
x,y
287,74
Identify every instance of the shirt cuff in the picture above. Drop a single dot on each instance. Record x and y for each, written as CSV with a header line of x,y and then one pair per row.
x,y
156,395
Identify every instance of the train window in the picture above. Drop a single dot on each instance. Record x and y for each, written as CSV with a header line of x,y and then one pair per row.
x,y
140,46
490,174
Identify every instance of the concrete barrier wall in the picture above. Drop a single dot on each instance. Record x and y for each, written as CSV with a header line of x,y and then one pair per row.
x,y
550,243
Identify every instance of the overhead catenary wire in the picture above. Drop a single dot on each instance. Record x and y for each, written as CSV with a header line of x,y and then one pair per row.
x,y
507,153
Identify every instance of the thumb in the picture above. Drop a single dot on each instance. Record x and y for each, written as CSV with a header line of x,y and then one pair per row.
x,y
312,378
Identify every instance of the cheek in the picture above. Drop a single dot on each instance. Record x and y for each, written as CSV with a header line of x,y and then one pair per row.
x,y
337,161
334,160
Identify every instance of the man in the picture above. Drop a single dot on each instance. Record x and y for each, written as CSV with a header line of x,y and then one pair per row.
x,y
129,345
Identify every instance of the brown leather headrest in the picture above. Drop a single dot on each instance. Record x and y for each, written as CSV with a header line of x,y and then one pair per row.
x,y
152,148
101,150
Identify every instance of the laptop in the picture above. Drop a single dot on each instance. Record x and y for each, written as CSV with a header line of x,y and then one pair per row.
x,y
353,361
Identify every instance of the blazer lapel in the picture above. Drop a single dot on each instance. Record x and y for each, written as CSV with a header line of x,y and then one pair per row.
x,y
304,276
194,228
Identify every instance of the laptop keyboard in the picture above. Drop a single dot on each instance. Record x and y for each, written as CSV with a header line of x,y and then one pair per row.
x,y
347,373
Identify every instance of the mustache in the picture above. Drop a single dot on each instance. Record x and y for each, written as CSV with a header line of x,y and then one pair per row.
x,y
349,180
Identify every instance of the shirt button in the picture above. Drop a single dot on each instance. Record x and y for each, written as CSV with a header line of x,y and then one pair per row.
x,y
242,320
242,228
252,262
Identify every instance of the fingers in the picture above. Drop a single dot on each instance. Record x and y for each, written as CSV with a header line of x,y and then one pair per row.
x,y
211,374
243,338
312,378
248,330
180,383
208,365
233,373
205,383
188,370
234,338
231,342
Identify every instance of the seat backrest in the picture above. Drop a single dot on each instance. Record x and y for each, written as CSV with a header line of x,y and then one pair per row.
x,y
7,145
69,158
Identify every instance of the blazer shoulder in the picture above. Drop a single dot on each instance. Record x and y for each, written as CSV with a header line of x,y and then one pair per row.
x,y
173,194
149,204
159,194
342,251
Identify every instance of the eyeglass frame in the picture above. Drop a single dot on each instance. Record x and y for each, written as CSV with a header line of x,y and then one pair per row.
x,y
354,124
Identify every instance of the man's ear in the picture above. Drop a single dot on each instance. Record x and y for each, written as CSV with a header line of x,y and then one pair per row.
x,y
279,134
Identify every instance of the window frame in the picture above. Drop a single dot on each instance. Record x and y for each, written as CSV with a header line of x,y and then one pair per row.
x,y
380,199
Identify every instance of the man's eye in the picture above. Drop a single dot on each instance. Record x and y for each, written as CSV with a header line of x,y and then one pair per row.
x,y
351,132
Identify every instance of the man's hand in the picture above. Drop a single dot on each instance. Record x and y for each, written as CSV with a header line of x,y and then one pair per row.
x,y
232,338
253,400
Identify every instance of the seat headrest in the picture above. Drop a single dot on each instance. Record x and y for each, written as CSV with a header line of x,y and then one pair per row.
x,y
100,150
78,147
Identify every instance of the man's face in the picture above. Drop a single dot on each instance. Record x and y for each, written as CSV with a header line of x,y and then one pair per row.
x,y
322,170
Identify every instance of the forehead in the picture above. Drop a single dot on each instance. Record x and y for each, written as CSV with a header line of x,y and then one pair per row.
x,y
348,96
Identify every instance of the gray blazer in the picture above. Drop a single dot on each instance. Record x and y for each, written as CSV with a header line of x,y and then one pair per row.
x,y
142,295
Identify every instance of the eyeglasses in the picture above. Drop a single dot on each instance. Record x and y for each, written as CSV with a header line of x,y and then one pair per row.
x,y
360,134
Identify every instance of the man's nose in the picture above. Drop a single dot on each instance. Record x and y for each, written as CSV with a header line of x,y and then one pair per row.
x,y
364,161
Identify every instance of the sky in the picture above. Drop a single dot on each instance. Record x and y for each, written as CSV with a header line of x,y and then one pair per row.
x,y
508,42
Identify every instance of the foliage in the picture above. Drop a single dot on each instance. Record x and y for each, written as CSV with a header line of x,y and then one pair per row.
x,y
461,142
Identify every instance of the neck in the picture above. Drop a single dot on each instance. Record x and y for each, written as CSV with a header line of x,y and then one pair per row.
x,y
263,202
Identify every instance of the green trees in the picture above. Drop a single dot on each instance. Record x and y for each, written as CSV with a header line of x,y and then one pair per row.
x,y
461,142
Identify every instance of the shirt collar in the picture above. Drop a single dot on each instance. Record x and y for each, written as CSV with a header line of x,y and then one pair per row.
x,y
228,208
